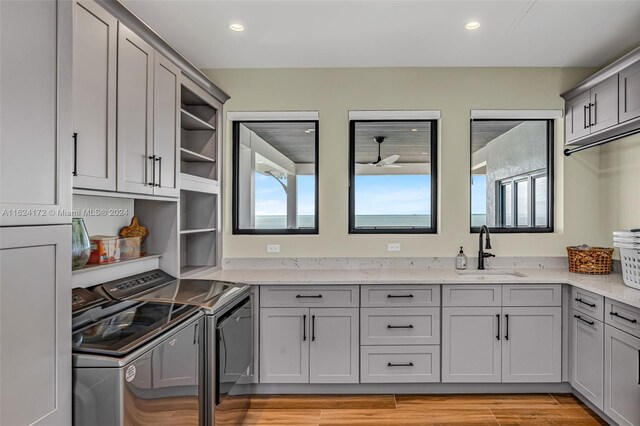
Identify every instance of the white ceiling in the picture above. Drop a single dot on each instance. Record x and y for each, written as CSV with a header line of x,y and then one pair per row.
x,y
394,33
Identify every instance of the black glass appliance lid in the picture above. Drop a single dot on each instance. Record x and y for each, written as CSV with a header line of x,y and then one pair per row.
x,y
126,330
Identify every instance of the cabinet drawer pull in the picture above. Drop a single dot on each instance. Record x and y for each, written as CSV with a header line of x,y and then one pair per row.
x,y
595,119
632,321
584,320
506,332
300,296
304,328
313,328
400,326
159,160
498,320
75,154
391,296
410,364
584,118
153,170
593,305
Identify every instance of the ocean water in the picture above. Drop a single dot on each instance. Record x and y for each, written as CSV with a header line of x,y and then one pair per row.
x,y
306,221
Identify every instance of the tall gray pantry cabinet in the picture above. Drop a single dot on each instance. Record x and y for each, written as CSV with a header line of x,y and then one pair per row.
x,y
35,234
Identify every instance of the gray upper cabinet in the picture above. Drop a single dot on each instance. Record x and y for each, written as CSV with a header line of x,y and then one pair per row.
x,y
630,92
605,106
622,377
35,112
531,345
94,97
471,345
135,108
577,117
284,345
592,111
35,356
587,357
334,348
166,125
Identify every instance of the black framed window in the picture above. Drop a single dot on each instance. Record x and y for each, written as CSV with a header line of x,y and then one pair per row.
x,y
512,175
275,177
393,176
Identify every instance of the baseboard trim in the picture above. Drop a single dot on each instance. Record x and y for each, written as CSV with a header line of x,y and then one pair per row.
x,y
400,388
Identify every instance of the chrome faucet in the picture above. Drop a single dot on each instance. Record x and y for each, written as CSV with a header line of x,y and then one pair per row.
x,y
482,255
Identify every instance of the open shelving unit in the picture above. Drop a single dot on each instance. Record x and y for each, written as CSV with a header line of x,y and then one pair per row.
x,y
200,149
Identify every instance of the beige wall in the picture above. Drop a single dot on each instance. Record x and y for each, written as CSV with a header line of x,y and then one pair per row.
x,y
619,186
455,91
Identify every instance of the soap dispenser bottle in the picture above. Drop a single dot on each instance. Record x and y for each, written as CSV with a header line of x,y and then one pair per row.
x,y
461,260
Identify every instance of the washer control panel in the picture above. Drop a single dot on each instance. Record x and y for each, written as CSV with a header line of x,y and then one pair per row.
x,y
136,284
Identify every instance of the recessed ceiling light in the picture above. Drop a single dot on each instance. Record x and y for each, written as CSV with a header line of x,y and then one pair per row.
x,y
414,130
236,27
473,25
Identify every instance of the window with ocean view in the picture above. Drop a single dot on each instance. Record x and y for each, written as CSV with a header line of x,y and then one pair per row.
x,y
511,176
275,177
392,176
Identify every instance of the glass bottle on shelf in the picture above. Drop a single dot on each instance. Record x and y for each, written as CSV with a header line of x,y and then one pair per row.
x,y
80,244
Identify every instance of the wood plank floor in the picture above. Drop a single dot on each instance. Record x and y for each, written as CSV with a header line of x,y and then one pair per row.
x,y
512,409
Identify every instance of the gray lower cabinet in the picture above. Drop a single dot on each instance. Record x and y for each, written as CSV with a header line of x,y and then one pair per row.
x,y
622,376
334,347
587,357
393,326
284,345
309,345
94,96
471,344
35,325
531,344
400,364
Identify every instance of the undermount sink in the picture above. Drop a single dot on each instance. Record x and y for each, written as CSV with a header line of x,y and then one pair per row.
x,y
491,272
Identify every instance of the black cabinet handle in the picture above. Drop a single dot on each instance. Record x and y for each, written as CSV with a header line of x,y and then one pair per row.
x,y
300,296
195,334
313,328
632,321
584,320
506,332
159,160
400,326
400,365
153,170
584,120
304,328
498,320
391,296
595,119
75,154
577,299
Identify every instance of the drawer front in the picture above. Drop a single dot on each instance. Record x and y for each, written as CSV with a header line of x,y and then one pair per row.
x,y
587,303
376,296
624,317
399,364
532,295
393,326
337,296
472,295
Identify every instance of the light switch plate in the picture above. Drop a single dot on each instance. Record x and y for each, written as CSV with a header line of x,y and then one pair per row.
x,y
393,247
273,248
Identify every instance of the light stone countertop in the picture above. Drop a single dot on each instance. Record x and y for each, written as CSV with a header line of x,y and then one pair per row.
x,y
610,286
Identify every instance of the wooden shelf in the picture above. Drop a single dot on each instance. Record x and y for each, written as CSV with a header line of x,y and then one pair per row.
x,y
193,157
197,231
198,184
191,122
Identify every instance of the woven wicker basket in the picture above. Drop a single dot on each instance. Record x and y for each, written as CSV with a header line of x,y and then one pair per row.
x,y
594,260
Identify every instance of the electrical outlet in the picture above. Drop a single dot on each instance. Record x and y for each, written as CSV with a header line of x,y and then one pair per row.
x,y
393,247
273,248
